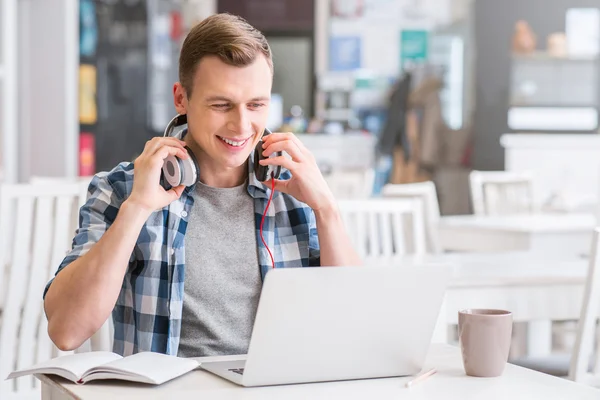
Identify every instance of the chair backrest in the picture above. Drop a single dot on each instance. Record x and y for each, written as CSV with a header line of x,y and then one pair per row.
x,y
501,192
587,341
351,184
384,228
102,340
83,184
427,194
37,223
83,181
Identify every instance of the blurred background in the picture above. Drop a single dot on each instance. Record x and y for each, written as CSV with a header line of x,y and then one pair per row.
x,y
382,91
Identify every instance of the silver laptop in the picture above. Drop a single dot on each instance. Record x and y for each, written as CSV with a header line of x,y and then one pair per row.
x,y
339,323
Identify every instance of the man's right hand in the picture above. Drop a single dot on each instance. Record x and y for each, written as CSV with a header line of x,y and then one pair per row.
x,y
147,192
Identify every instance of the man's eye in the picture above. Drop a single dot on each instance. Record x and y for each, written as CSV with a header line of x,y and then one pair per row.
x,y
220,105
256,105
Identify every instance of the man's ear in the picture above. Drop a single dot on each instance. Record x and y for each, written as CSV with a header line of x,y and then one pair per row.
x,y
180,98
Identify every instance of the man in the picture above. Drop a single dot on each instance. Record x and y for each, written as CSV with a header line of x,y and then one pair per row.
x,y
138,243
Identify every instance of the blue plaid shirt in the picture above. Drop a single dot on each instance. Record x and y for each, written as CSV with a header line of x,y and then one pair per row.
x,y
147,315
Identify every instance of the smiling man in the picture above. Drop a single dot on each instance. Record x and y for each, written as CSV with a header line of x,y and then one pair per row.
x,y
181,268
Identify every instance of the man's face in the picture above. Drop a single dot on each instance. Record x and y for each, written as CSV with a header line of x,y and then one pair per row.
x,y
227,111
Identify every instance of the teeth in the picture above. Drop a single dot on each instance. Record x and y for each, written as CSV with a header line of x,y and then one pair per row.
x,y
233,143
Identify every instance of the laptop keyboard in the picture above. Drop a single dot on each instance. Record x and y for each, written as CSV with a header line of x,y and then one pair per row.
x,y
237,370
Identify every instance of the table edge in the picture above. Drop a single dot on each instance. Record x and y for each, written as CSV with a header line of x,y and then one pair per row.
x,y
49,380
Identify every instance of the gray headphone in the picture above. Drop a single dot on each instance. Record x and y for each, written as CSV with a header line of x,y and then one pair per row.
x,y
186,172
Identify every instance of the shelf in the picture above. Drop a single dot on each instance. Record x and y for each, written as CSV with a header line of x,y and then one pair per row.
x,y
545,56
574,119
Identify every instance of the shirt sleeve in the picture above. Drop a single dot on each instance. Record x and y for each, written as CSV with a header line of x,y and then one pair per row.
x,y
95,217
314,251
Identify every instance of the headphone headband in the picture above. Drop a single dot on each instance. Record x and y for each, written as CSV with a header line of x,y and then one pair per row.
x,y
178,120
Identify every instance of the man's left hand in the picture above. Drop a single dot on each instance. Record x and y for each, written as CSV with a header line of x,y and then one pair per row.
x,y
307,183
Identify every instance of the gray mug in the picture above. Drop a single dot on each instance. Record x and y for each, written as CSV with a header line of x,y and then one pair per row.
x,y
485,337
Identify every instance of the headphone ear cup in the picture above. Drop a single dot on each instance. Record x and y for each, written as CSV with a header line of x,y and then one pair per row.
x,y
260,171
277,169
181,172
172,171
190,168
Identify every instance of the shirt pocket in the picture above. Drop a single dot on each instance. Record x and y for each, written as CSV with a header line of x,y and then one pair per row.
x,y
293,250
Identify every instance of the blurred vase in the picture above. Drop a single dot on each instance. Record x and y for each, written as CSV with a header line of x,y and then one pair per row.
x,y
524,40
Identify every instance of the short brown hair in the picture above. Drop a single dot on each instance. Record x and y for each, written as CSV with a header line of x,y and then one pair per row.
x,y
229,37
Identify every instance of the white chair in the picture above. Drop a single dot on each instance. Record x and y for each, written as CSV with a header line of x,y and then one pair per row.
x,y
505,193
583,364
37,223
501,192
426,192
82,181
587,343
384,228
103,338
351,184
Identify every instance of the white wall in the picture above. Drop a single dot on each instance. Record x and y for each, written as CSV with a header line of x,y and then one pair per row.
x,y
8,85
460,9
2,5
196,10
48,88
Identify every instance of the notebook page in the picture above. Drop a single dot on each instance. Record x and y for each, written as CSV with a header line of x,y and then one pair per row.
x,y
157,368
75,364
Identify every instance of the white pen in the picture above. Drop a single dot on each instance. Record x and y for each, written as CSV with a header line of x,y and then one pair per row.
x,y
421,377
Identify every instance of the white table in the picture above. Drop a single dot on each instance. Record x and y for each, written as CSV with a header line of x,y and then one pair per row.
x,y
532,286
449,383
537,289
557,234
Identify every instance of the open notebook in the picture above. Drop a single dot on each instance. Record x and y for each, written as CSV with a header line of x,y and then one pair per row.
x,y
145,367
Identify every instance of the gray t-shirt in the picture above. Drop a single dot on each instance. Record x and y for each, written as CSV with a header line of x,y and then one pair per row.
x,y
222,274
